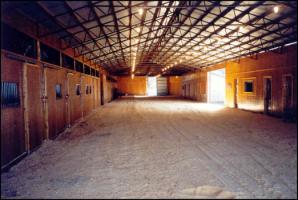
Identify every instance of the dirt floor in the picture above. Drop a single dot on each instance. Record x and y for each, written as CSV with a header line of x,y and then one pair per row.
x,y
162,148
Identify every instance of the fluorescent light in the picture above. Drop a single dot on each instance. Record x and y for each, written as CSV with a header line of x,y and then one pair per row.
x,y
290,44
276,9
141,11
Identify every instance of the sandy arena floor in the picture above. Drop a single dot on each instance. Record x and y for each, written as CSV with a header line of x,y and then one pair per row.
x,y
162,148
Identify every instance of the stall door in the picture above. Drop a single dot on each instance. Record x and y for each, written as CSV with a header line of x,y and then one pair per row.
x,y
162,86
33,107
74,97
12,115
56,93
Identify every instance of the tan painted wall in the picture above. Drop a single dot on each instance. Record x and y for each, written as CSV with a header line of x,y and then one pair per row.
x,y
174,85
190,86
271,64
136,86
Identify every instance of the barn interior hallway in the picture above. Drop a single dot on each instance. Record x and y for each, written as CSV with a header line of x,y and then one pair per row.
x,y
162,148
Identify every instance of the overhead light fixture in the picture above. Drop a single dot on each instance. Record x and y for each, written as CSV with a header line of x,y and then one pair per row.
x,y
276,9
141,11
138,29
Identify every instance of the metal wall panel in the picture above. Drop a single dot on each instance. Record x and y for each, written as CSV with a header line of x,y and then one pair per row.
x,y
162,86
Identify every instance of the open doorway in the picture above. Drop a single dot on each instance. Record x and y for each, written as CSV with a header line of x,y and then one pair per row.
x,y
216,86
151,86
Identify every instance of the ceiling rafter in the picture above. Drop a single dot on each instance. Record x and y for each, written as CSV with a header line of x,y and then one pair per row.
x,y
227,10
204,32
198,20
117,29
254,30
115,33
55,20
160,39
157,10
102,29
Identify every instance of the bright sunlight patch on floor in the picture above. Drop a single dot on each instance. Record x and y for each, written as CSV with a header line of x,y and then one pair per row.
x,y
209,107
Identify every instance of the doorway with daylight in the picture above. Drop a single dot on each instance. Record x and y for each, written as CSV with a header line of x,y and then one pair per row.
x,y
151,86
216,86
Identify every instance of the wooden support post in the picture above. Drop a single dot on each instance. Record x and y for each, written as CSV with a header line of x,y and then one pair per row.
x,y
60,57
26,109
45,103
44,95
68,74
81,96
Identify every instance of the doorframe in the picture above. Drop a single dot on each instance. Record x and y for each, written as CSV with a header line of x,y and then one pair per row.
x,y
101,90
236,92
283,90
264,87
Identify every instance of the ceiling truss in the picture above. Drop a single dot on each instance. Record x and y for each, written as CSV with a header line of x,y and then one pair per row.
x,y
153,35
